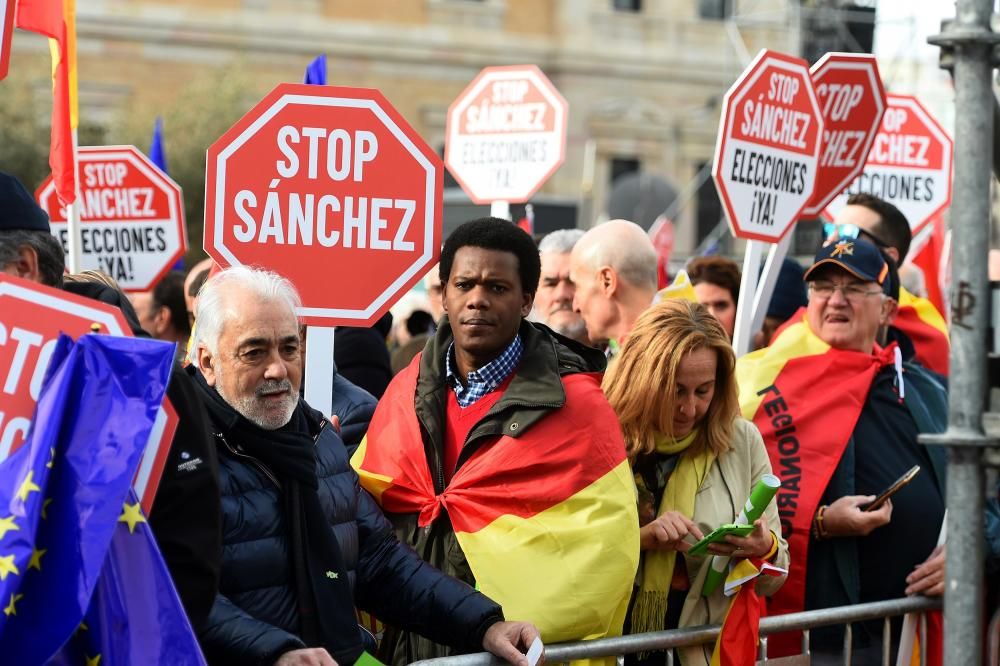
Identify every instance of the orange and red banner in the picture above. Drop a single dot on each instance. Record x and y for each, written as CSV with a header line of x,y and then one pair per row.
x,y
56,19
547,521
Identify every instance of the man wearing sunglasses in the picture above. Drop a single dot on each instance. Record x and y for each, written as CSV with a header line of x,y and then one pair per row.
x,y
918,327
840,415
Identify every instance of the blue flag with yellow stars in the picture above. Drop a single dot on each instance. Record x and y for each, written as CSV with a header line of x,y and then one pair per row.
x,y
81,580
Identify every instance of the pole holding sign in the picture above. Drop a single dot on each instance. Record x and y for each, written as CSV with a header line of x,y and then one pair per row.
x,y
131,216
909,164
766,158
506,135
31,318
850,93
331,188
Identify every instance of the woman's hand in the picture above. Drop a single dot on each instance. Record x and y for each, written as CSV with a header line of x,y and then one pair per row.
x,y
667,532
755,545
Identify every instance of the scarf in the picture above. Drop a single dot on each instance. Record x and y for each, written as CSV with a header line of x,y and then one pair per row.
x,y
323,593
658,565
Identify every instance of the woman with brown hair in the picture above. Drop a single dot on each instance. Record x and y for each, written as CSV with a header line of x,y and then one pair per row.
x,y
695,461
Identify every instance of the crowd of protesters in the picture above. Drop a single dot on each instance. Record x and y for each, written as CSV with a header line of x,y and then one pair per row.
x,y
532,445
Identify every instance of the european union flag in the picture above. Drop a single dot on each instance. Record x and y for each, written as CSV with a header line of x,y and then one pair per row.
x,y
81,580
316,71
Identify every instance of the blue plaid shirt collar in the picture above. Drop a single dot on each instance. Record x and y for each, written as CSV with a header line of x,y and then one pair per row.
x,y
485,379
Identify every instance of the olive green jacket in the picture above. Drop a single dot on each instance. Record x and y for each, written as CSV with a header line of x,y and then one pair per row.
x,y
535,391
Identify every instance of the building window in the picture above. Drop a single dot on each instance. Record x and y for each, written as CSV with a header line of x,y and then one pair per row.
x,y
621,166
627,5
715,9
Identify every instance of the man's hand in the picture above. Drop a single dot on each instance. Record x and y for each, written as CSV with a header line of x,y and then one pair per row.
x,y
306,657
667,533
755,545
511,640
928,578
845,517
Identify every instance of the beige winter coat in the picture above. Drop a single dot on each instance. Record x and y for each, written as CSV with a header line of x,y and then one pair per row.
x,y
720,499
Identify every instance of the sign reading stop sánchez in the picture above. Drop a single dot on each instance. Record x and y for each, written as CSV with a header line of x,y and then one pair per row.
x,y
31,318
506,134
331,188
768,147
131,216
851,96
909,164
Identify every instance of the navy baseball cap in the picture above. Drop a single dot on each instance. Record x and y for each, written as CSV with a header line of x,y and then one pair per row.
x,y
858,257
18,210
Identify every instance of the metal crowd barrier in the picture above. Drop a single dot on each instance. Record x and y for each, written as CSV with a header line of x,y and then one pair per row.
x,y
690,636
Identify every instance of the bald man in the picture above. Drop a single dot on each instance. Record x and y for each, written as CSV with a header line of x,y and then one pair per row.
x,y
614,269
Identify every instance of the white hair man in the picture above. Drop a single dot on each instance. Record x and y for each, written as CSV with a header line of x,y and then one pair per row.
x,y
554,298
303,545
614,269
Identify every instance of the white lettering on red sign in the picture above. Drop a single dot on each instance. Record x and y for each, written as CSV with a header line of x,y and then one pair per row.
x,y
328,220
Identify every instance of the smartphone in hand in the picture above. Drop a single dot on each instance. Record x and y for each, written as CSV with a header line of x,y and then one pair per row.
x,y
897,485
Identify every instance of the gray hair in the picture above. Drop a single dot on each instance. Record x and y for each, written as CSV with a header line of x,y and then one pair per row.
x,y
213,310
51,259
560,241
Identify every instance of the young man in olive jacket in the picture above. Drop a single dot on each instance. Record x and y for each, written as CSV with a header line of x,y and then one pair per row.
x,y
497,457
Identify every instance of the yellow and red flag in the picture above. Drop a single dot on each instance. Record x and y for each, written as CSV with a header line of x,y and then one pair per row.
x,y
547,521
805,397
740,633
56,19
927,330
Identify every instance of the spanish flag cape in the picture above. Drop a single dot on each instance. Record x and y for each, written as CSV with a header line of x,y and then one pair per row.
x,y
547,519
805,398
926,328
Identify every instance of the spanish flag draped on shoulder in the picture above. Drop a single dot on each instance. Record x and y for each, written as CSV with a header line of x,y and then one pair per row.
x,y
926,329
806,425
549,526
56,19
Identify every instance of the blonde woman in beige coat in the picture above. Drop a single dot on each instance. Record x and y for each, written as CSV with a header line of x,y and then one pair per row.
x,y
695,461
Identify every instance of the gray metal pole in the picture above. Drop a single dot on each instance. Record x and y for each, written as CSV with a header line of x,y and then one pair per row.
x,y
972,40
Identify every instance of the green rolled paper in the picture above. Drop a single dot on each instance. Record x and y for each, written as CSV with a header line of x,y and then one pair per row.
x,y
760,496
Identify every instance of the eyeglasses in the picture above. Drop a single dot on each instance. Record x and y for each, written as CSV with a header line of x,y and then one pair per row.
x,y
853,292
851,231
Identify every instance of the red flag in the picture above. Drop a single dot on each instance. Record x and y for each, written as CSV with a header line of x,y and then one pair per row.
x,y
661,233
56,19
528,221
926,254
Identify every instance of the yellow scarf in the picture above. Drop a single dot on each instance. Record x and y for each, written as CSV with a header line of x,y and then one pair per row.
x,y
658,565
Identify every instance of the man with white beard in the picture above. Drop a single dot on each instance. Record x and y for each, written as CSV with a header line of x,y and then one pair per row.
x,y
303,544
554,298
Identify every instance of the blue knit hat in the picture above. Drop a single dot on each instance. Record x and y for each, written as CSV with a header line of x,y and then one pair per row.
x,y
18,209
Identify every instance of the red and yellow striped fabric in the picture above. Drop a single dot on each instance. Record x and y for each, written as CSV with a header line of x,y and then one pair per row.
x,y
56,19
926,328
740,633
805,398
547,521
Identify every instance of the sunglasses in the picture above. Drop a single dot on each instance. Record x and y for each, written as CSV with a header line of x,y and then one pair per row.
x,y
851,231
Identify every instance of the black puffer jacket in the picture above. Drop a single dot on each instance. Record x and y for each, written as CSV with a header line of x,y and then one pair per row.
x,y
255,617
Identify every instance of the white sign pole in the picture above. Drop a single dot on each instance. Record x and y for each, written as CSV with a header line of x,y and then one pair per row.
x,y
73,241
500,209
319,368
743,333
768,279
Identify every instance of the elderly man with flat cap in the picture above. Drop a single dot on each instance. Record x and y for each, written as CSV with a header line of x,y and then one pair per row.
x,y
840,416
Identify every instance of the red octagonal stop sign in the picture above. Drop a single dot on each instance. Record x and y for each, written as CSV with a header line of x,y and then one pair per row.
x,y
31,318
852,99
331,188
131,216
768,147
